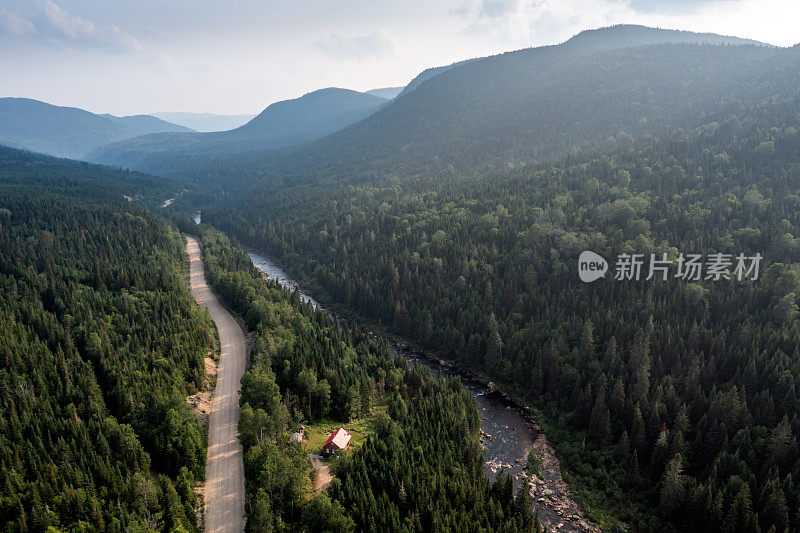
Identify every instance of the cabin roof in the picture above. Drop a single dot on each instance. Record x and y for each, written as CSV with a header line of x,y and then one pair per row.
x,y
340,438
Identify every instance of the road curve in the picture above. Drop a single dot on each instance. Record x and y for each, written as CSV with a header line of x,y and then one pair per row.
x,y
224,488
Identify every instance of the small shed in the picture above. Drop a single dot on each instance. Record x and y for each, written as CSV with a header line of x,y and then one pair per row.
x,y
298,437
339,440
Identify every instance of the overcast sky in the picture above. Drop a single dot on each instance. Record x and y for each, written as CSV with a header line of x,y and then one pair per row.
x,y
143,56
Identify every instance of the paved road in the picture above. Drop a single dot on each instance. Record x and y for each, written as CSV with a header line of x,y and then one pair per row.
x,y
224,489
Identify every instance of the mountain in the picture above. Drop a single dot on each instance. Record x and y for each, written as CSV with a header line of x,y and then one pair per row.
x,y
310,116
386,92
284,123
428,74
670,397
538,103
204,122
609,38
520,106
68,131
144,124
694,379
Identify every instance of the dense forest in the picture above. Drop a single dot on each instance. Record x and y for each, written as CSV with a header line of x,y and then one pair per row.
x,y
420,470
100,343
670,402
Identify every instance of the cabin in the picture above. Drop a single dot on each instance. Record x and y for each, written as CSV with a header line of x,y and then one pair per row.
x,y
339,440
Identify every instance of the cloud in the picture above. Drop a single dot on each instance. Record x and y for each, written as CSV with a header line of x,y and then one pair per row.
x,y
498,8
14,24
674,6
378,43
61,27
70,26
52,25
517,23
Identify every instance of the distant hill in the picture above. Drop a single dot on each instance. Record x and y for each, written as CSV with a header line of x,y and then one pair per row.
x,y
537,103
24,170
285,123
144,124
205,122
312,115
68,131
609,38
386,92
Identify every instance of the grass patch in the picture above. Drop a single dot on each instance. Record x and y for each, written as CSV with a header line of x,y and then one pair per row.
x,y
318,432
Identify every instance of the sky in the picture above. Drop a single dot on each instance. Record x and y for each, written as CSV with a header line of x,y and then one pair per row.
x,y
128,57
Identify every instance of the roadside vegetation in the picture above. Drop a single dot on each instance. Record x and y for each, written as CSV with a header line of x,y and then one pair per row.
x,y
100,343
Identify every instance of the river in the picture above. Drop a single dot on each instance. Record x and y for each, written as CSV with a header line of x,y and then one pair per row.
x,y
274,272
507,432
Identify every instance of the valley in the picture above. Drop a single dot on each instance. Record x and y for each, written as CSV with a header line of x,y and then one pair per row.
x,y
524,246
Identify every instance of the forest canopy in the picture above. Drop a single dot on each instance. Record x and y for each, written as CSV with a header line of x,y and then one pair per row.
x,y
100,344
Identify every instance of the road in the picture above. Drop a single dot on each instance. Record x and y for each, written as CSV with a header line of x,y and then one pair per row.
x,y
224,488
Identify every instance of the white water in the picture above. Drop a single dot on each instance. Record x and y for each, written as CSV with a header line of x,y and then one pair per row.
x,y
274,272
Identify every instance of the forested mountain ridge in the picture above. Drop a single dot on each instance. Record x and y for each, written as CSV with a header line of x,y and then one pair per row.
x,y
284,123
672,404
534,105
37,172
100,343
522,106
609,38
630,35
68,131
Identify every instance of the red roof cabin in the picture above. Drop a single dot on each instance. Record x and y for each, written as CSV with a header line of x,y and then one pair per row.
x,y
339,440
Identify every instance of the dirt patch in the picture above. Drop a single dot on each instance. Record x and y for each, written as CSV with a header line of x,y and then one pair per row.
x,y
324,476
211,371
201,402
199,490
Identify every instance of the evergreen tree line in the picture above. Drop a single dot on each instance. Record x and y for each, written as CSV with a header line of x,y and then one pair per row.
x,y
100,343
